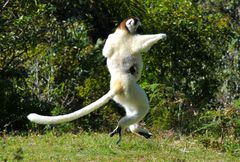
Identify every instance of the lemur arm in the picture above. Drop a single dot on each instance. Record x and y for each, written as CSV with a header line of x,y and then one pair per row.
x,y
108,48
142,43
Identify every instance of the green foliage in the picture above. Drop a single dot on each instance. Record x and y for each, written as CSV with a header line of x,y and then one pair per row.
x,y
162,112
222,122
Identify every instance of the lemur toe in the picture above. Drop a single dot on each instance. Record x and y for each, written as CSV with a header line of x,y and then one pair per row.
x,y
145,134
119,139
112,133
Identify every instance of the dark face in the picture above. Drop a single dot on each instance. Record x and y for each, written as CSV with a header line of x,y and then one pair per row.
x,y
132,24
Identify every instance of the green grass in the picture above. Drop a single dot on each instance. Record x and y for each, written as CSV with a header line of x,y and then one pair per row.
x,y
100,147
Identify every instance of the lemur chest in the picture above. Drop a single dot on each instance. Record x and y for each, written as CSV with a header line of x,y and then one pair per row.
x,y
128,64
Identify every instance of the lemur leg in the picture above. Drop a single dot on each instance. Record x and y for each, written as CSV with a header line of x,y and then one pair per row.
x,y
135,102
140,130
122,124
127,121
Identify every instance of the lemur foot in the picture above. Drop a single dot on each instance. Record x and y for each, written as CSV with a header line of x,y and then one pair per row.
x,y
119,131
145,134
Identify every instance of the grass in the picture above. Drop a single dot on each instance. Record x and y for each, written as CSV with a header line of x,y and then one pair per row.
x,y
100,147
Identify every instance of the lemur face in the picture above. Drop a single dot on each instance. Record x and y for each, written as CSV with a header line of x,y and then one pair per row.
x,y
132,24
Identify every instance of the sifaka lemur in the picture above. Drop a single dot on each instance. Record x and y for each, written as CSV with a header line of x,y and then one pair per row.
x,y
123,50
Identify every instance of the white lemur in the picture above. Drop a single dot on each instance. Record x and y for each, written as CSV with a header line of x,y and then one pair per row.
x,y
123,50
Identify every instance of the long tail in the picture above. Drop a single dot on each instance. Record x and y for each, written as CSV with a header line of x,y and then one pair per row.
x,y
74,115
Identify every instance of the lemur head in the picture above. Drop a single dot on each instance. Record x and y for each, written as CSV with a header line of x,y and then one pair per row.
x,y
130,25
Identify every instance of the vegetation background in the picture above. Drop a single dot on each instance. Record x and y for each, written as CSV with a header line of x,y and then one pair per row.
x,y
51,63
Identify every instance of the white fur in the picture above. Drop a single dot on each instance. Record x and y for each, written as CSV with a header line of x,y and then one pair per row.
x,y
121,46
72,116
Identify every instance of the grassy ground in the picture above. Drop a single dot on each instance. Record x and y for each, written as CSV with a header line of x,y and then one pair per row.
x,y
100,147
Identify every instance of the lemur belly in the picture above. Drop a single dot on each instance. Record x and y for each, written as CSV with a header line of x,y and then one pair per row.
x,y
130,95
125,71
130,64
